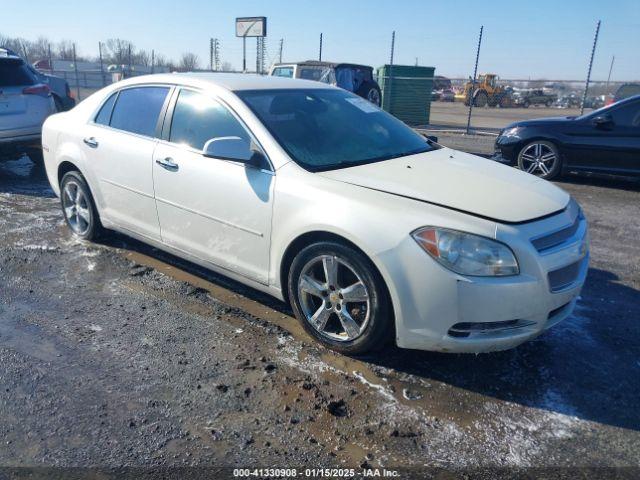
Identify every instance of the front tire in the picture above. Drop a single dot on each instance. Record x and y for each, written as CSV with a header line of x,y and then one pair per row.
x,y
540,158
481,99
340,298
78,207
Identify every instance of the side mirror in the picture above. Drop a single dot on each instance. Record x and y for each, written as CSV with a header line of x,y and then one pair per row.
x,y
602,121
233,148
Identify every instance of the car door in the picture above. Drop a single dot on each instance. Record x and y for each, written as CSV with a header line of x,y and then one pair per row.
x,y
216,210
607,140
119,143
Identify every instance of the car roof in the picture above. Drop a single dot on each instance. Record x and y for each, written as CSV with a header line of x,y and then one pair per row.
x,y
318,63
229,81
8,53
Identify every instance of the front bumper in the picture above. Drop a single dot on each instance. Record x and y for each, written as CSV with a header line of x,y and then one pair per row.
x,y
506,150
439,310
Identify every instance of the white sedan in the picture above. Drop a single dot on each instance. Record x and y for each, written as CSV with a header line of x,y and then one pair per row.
x,y
314,195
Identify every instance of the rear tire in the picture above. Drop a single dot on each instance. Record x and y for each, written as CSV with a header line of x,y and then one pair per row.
x,y
36,157
78,207
340,298
58,102
371,92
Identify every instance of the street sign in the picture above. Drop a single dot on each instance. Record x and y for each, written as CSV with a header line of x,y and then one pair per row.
x,y
251,27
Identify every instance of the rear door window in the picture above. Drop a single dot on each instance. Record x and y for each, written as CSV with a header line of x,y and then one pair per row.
x,y
14,72
137,109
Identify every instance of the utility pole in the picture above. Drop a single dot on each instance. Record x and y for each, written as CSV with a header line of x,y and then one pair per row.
x,y
153,60
416,61
50,57
387,93
211,54
216,54
593,51
257,54
244,54
613,59
130,59
320,54
280,50
101,63
473,82
75,68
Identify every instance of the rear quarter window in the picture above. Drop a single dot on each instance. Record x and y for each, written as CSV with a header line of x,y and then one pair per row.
x,y
137,109
14,73
104,115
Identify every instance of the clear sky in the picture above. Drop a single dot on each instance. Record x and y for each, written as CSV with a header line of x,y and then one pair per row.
x,y
522,39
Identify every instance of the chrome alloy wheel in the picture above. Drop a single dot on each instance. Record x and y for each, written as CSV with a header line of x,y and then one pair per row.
x,y
334,299
538,157
76,208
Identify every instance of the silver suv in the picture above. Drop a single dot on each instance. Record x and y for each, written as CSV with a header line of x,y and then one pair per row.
x,y
25,103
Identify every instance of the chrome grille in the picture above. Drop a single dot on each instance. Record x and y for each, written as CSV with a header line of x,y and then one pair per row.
x,y
556,238
563,277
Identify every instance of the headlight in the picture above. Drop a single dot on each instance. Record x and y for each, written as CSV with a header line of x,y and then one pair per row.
x,y
467,254
511,132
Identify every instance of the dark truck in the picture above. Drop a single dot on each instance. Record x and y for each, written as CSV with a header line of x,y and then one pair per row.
x,y
525,98
349,76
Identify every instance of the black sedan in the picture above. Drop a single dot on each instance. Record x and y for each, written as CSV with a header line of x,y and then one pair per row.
x,y
606,141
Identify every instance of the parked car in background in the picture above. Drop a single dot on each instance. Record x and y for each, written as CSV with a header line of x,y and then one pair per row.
x,y
59,89
605,140
349,76
526,98
313,195
441,83
443,95
624,91
594,102
571,100
59,86
25,103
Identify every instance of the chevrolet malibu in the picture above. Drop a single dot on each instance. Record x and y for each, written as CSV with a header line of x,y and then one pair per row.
x,y
370,231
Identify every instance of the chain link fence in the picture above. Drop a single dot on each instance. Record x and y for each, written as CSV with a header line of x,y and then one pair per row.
x,y
453,84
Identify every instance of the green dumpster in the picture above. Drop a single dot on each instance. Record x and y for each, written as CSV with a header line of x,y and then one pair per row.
x,y
406,92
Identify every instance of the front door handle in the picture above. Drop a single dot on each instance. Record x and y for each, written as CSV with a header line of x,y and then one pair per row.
x,y
167,163
91,141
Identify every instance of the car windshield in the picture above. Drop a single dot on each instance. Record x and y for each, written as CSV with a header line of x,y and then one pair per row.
x,y
599,111
324,129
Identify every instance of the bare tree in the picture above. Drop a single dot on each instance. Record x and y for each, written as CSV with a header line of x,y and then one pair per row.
x,y
17,44
117,51
64,50
39,49
188,62
227,67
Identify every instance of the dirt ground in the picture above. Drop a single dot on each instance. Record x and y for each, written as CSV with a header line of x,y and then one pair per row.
x,y
454,115
117,355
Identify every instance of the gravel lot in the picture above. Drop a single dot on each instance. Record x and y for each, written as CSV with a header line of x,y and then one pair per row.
x,y
454,114
115,354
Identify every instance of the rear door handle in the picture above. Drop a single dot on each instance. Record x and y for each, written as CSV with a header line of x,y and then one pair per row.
x,y
167,163
91,141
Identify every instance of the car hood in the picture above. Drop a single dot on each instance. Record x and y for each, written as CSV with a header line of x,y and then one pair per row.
x,y
462,182
541,122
